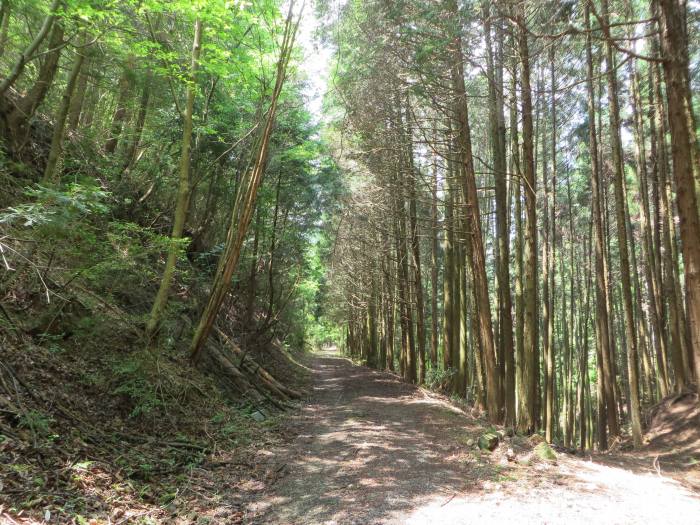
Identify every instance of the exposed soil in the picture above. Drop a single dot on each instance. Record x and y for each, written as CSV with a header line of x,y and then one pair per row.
x,y
365,448
71,453
371,449
675,423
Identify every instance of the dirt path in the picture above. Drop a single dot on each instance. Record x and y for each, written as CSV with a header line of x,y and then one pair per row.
x,y
373,450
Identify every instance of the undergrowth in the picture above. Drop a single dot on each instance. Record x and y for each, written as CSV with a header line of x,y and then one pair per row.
x,y
87,399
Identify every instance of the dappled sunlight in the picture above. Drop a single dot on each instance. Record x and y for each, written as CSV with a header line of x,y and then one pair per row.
x,y
588,493
653,485
380,451
370,451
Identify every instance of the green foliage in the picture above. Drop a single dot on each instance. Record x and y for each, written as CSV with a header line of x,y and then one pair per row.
x,y
57,207
545,452
488,441
104,228
126,267
231,424
52,342
136,376
436,378
38,422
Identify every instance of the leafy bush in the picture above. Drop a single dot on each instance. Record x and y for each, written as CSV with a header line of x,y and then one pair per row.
x,y
437,378
137,379
545,452
126,264
37,422
57,207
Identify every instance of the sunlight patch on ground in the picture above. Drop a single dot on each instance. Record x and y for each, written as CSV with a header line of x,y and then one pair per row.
x,y
594,494
653,485
373,450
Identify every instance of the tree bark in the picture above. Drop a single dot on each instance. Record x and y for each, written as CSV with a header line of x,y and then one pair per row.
x,y
415,249
474,239
448,296
135,138
18,119
650,273
527,414
434,265
519,240
28,53
76,107
4,24
661,230
674,46
607,411
622,241
126,82
550,263
244,207
498,155
60,122
183,195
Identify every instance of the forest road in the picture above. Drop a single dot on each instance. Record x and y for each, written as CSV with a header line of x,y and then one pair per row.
x,y
374,450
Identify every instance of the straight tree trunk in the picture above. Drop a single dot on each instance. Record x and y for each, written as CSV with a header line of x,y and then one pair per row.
x,y
382,303
650,273
410,370
5,13
498,154
449,279
252,280
415,252
527,414
674,46
391,319
78,101
372,360
474,239
93,95
623,247
402,294
183,194
135,139
463,317
610,303
585,420
606,397
273,249
549,273
434,265
661,230
126,83
519,240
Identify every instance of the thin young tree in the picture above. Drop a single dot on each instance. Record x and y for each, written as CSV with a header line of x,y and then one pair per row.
x,y
244,206
60,122
183,194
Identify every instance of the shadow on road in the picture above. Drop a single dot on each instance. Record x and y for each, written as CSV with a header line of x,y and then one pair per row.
x,y
371,449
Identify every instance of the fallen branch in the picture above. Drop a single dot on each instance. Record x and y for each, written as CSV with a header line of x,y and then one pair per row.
x,y
255,369
240,382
